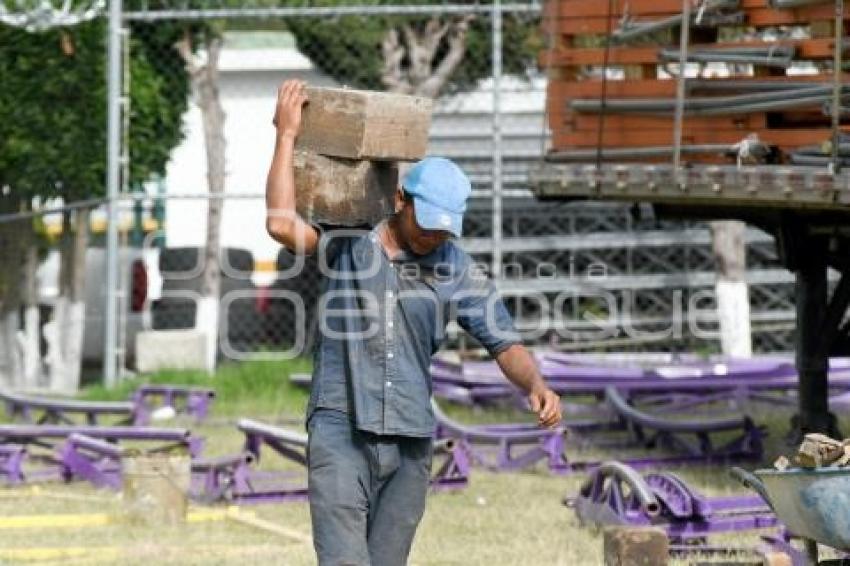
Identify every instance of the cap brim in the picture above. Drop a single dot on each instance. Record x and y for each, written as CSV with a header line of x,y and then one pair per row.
x,y
431,217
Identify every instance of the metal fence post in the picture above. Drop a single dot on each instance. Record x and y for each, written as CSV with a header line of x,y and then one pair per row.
x,y
679,117
114,56
837,73
497,140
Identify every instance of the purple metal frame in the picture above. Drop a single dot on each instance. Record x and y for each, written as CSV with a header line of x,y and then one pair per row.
x,y
91,459
214,478
615,494
43,434
57,411
482,382
193,401
496,446
247,487
251,486
99,462
508,447
89,452
693,438
12,458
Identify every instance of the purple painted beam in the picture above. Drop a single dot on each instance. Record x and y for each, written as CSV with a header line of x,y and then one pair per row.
x,y
40,433
23,407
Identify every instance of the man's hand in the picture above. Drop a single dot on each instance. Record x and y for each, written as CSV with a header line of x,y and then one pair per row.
x,y
519,367
547,405
290,100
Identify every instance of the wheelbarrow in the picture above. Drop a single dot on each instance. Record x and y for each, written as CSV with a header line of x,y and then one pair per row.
x,y
813,504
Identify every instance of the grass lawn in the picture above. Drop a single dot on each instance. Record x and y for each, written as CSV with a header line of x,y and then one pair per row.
x,y
500,519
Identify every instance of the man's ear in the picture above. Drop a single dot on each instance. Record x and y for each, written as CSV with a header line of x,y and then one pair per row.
x,y
399,199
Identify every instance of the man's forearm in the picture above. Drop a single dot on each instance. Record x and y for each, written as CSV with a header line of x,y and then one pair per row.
x,y
519,367
280,184
282,221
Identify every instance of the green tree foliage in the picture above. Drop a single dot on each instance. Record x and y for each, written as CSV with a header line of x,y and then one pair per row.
x,y
348,48
53,108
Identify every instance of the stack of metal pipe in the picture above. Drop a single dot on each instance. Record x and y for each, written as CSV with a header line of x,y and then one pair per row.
x,y
695,83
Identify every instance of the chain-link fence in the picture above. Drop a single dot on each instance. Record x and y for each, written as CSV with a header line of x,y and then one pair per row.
x,y
199,89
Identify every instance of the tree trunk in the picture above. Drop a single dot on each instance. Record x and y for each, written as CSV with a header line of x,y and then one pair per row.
x,y
14,238
421,61
66,335
205,80
733,305
31,337
11,366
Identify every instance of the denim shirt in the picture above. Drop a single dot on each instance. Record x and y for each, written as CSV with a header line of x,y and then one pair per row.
x,y
381,320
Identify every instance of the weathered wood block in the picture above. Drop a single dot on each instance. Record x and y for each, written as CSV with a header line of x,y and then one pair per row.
x,y
156,488
343,192
777,559
635,546
358,124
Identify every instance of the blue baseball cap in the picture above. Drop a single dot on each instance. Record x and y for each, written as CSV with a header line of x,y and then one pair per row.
x,y
439,189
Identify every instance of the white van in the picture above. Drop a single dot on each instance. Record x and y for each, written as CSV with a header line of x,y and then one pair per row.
x,y
138,277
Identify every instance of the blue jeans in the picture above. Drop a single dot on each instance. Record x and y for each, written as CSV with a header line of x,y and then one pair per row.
x,y
367,492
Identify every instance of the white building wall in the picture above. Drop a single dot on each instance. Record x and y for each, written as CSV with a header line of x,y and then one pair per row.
x,y
248,94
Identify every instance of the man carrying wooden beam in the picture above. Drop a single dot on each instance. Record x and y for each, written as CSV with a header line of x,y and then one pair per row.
x,y
388,296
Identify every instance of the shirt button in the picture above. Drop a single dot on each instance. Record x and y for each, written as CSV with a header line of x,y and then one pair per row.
x,y
389,294
390,323
390,355
389,384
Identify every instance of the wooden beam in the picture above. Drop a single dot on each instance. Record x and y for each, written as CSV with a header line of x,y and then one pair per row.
x,y
636,8
759,18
